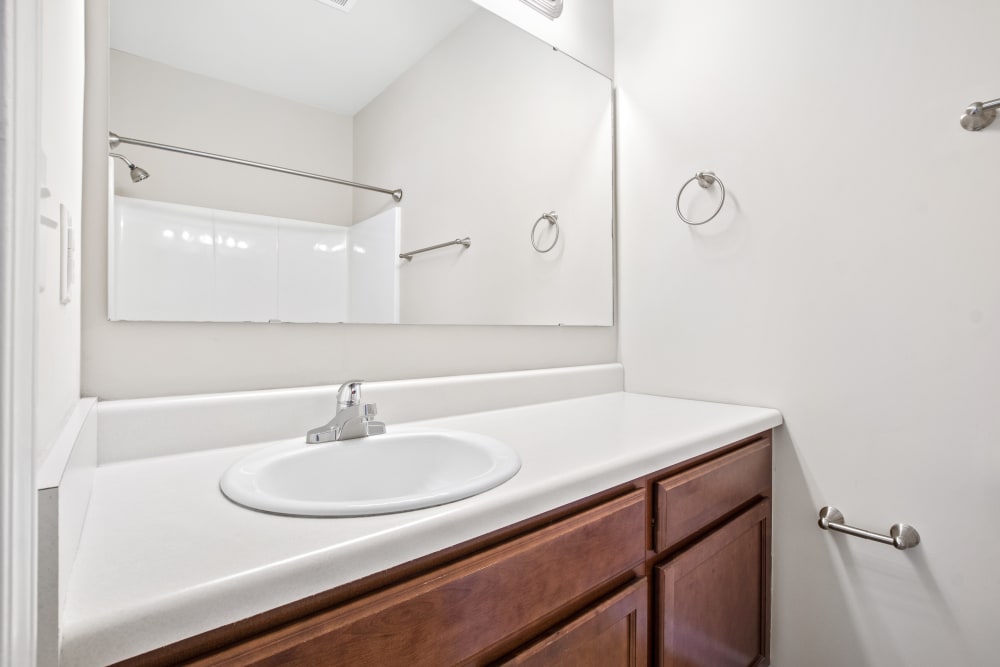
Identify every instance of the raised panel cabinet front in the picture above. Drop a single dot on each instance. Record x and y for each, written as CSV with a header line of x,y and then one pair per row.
x,y
482,606
613,633
692,500
712,604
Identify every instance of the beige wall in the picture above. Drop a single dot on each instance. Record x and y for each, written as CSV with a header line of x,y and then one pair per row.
x,y
852,281
126,359
57,383
159,103
512,130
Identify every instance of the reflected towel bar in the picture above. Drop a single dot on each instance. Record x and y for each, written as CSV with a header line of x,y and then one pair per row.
x,y
114,141
409,255
901,535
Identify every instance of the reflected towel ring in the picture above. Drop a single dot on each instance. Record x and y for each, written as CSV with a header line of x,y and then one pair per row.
x,y
705,179
553,220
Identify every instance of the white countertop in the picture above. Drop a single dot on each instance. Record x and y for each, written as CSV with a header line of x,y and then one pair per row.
x,y
164,555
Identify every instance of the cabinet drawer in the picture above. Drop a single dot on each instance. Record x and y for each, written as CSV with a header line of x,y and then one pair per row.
x,y
688,502
613,633
481,604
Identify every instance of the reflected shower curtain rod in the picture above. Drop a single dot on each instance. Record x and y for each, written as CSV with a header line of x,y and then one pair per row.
x,y
114,141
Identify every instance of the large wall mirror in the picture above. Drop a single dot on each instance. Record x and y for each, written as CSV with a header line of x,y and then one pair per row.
x,y
494,138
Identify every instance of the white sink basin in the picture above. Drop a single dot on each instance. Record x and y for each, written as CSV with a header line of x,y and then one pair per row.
x,y
404,469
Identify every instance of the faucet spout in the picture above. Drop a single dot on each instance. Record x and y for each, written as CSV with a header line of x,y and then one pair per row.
x,y
354,419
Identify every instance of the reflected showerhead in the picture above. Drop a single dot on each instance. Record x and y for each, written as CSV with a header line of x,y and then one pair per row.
x,y
136,173
976,116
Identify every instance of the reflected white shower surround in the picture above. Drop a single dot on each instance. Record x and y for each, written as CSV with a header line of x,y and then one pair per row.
x,y
256,268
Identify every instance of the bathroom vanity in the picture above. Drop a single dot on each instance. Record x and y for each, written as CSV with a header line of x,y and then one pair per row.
x,y
643,536
673,566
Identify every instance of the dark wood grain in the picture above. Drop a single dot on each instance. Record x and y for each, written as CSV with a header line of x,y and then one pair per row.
x,y
713,598
192,648
613,633
693,500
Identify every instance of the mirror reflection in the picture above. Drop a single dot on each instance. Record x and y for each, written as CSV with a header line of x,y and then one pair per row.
x,y
496,141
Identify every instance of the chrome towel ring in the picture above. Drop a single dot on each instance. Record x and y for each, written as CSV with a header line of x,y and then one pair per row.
x,y
706,179
553,220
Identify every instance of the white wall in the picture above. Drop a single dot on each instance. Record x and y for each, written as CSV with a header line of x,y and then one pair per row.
x,y
583,30
166,105
511,131
132,359
852,281
57,382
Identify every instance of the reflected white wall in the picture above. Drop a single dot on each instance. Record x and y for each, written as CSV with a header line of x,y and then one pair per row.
x,y
512,130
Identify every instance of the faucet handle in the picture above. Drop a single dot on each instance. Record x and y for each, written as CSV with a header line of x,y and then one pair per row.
x,y
349,393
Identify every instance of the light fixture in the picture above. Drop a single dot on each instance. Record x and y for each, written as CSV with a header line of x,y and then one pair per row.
x,y
551,8
342,5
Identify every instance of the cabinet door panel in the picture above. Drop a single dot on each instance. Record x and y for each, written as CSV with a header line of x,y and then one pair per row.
x,y
611,634
713,597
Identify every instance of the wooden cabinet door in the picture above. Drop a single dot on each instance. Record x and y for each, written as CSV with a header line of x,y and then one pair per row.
x,y
713,598
613,633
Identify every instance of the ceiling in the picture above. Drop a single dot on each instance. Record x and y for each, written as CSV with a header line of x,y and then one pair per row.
x,y
302,50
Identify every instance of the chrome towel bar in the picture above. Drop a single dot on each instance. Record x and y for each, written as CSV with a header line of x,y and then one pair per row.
x,y
901,535
409,255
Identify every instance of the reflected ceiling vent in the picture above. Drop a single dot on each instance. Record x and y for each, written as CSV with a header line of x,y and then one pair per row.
x,y
551,8
348,5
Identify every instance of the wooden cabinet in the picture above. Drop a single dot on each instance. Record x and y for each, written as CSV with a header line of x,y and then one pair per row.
x,y
688,502
713,597
613,633
471,611
671,568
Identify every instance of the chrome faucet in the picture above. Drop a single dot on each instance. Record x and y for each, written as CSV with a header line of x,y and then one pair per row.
x,y
354,419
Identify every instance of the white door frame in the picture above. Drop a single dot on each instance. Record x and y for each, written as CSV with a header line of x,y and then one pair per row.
x,y
19,144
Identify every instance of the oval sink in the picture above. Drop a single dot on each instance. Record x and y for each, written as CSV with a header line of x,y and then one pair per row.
x,y
398,471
